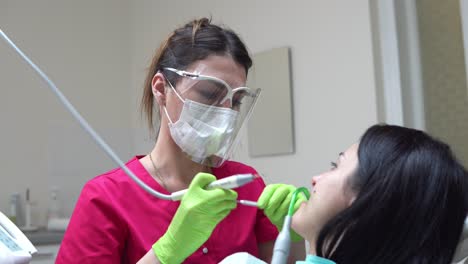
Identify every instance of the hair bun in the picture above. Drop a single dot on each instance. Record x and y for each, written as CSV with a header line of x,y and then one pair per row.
x,y
199,23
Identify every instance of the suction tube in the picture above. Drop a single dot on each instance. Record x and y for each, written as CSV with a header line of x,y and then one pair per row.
x,y
84,124
283,241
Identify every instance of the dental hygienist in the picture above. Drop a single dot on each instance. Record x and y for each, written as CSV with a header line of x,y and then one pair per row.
x,y
196,87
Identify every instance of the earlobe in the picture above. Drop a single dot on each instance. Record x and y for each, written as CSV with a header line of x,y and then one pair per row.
x,y
160,98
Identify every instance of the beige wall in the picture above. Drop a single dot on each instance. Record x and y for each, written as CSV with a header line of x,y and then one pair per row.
x,y
97,53
332,70
84,47
443,71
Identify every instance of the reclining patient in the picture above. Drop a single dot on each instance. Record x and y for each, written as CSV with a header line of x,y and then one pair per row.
x,y
396,196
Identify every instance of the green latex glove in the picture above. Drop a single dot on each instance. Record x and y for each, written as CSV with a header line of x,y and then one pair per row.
x,y
275,200
199,212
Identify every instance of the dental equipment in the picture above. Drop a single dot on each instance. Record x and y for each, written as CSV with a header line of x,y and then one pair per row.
x,y
248,203
283,241
229,182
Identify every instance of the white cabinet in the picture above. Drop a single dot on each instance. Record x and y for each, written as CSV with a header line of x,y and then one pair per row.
x,y
46,254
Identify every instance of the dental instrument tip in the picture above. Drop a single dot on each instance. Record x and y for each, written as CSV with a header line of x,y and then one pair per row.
x,y
248,203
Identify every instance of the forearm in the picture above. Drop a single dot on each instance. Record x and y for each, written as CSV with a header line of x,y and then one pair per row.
x,y
149,258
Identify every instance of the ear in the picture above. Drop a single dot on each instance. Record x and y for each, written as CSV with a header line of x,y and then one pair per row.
x,y
158,86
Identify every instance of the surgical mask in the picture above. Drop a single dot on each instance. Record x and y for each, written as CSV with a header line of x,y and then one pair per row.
x,y
207,132
203,130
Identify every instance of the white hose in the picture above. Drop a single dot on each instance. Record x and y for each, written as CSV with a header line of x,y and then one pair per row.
x,y
84,124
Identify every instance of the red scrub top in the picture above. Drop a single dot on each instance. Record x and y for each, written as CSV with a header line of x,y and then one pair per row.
x,y
116,221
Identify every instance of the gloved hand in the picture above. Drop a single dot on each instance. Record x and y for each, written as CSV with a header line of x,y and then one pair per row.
x,y
275,200
199,212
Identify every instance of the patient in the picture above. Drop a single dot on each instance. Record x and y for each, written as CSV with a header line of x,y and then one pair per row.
x,y
397,196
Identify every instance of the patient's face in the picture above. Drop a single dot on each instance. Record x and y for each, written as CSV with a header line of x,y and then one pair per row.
x,y
330,195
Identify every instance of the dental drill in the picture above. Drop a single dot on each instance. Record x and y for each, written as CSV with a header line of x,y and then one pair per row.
x,y
227,183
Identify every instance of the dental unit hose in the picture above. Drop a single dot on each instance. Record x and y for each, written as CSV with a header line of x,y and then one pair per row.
x,y
283,241
228,182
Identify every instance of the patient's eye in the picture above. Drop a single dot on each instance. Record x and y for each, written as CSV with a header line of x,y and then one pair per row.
x,y
333,165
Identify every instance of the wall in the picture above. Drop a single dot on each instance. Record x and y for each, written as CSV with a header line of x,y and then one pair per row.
x,y
332,70
443,72
84,48
97,53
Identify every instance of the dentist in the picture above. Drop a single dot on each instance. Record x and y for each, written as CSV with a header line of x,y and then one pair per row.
x,y
196,88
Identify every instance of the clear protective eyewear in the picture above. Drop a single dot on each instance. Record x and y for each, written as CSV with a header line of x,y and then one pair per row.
x,y
213,91
218,96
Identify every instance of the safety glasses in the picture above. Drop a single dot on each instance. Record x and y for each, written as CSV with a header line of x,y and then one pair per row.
x,y
213,91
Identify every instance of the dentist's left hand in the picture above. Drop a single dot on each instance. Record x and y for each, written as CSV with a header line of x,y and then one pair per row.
x,y
275,200
199,212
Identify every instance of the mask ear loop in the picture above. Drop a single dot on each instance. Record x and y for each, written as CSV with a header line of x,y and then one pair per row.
x,y
175,91
167,115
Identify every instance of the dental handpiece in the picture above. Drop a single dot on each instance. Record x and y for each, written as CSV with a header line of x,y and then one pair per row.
x,y
248,203
283,243
225,183
84,124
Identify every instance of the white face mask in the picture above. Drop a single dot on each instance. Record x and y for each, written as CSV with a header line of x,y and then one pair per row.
x,y
203,130
206,131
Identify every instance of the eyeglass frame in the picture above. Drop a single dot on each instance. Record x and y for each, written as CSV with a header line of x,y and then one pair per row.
x,y
195,76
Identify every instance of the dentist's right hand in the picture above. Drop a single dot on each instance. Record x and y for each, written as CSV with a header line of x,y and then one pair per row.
x,y
199,212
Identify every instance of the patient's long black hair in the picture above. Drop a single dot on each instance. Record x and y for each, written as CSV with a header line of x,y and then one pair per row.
x,y
411,202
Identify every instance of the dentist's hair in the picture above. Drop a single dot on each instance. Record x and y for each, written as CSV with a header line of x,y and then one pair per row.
x,y
411,202
192,42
